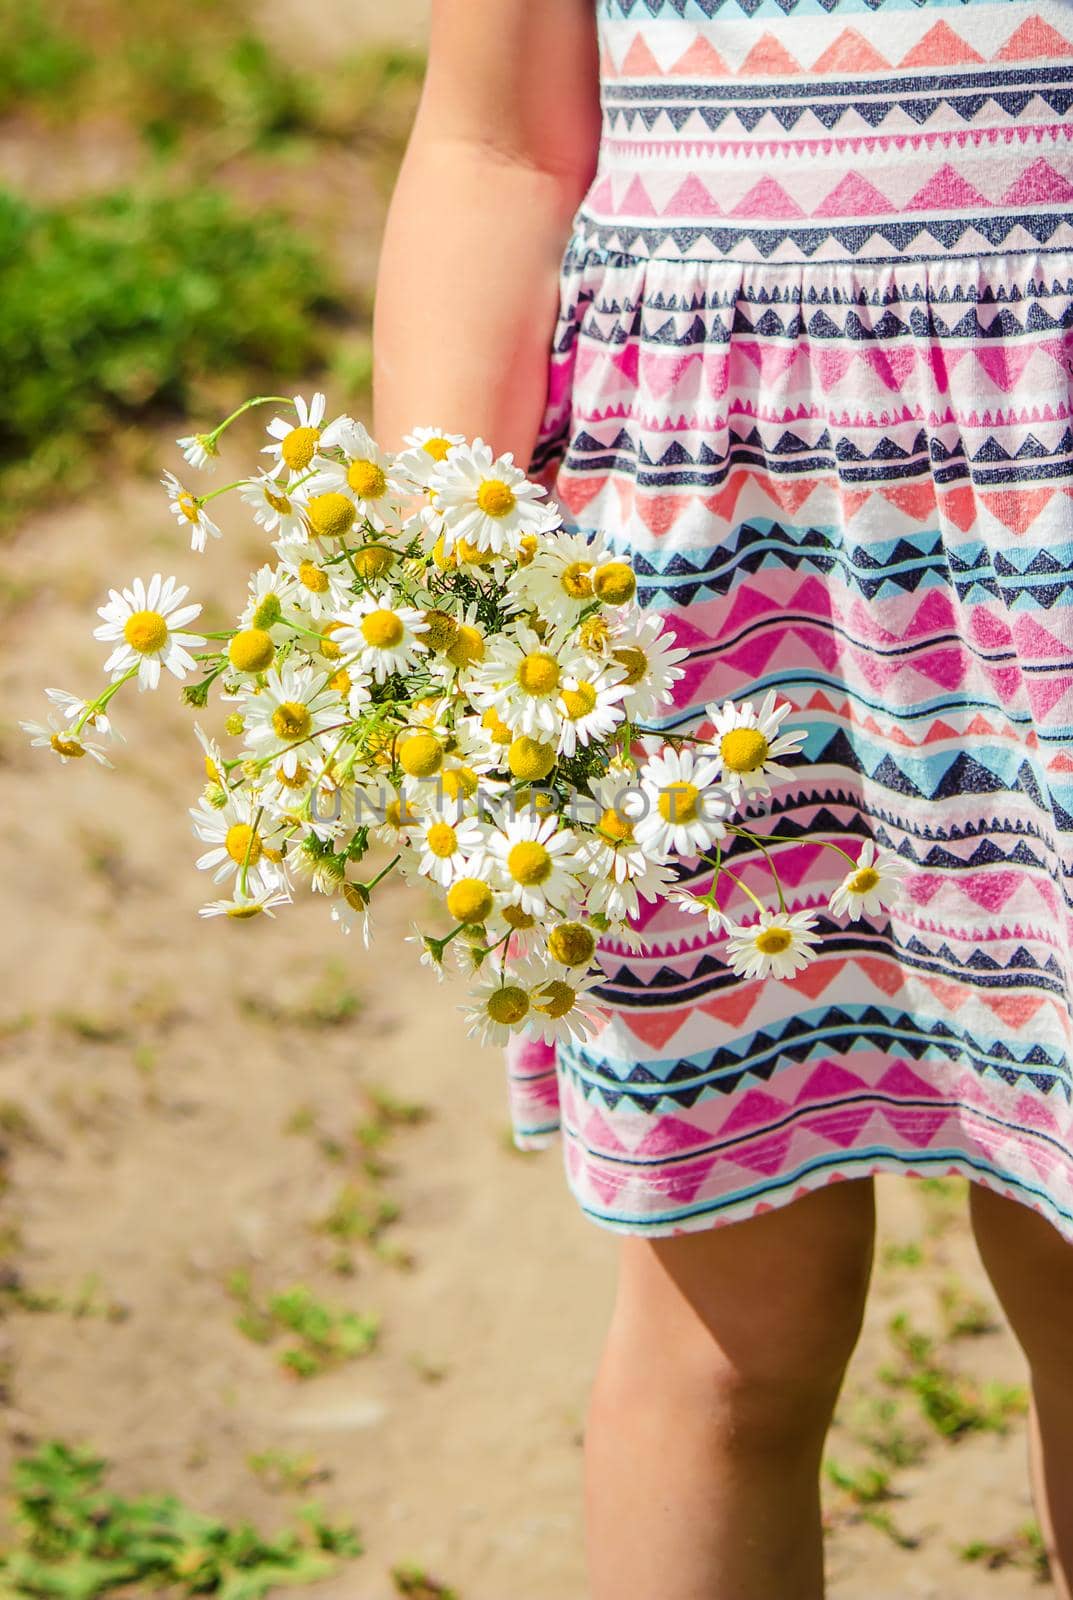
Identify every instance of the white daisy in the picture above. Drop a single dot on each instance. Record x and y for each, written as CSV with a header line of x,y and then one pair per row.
x,y
59,737
590,709
215,766
236,844
426,448
871,885
749,745
148,621
522,678
284,717
320,587
383,638
296,445
534,858
694,906
243,906
450,846
778,944
498,1008
620,898
685,809
271,593
559,1007
199,449
190,513
350,911
367,477
644,652
273,508
607,845
489,503
72,706
557,582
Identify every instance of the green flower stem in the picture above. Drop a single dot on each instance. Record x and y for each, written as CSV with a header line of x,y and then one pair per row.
x,y
249,849
380,876
744,887
102,700
248,405
214,494
742,833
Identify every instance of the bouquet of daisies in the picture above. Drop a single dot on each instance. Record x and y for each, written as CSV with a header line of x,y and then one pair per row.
x,y
431,679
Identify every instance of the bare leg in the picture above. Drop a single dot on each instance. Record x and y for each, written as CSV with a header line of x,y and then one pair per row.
x,y
712,1402
1031,1267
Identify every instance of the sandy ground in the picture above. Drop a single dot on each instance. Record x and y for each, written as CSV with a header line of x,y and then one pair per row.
x,y
177,1102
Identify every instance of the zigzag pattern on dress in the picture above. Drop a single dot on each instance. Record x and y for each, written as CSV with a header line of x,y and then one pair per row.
x,y
812,373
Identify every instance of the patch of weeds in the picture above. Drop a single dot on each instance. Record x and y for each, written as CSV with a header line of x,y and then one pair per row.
x,y
40,62
883,1522
92,1027
944,1203
88,1300
11,1027
952,1404
357,1216
965,1316
865,1486
415,1584
280,1472
878,1425
77,1540
384,1116
1024,1550
320,1337
330,1003
909,1254
119,305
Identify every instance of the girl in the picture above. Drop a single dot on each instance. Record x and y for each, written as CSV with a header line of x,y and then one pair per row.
x,y
805,272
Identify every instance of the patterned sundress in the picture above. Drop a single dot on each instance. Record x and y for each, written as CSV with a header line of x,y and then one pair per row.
x,y
813,374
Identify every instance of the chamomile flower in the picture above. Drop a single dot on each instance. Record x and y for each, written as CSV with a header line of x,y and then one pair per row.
x,y
534,857
426,448
242,906
560,1008
285,716
450,845
271,595
644,652
749,745
498,1008
384,638
491,504
871,885
694,906
238,847
619,898
215,766
686,811
57,735
522,678
350,911
777,945
148,620
609,847
366,478
590,709
190,513
199,450
557,582
274,510
72,706
295,445
321,587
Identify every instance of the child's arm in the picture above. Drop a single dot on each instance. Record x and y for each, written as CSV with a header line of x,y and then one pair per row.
x,y
502,151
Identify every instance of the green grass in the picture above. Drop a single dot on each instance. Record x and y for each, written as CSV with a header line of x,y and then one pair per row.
x,y
1023,1549
75,1540
117,307
951,1403
317,1336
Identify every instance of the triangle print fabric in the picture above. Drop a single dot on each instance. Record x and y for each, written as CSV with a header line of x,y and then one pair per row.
x,y
813,372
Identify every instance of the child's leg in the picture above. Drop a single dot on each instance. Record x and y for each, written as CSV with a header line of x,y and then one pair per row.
x,y
707,1421
1031,1267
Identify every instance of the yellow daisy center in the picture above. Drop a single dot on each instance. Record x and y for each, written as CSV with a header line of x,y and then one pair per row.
x,y
372,561
863,881
633,661
497,729
295,780
341,681
571,944
367,480
496,498
469,900
445,559
299,447
507,1005
773,941
383,630
328,647
66,747
269,610
421,756
678,802
576,580
594,635
518,919
312,577
242,844
278,502
460,783
530,760
251,650
473,554
613,825
529,863
146,632
466,647
442,840
442,631
331,515
555,999
527,549
437,448
188,505
579,701
291,720
614,583
538,673
240,913
744,749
